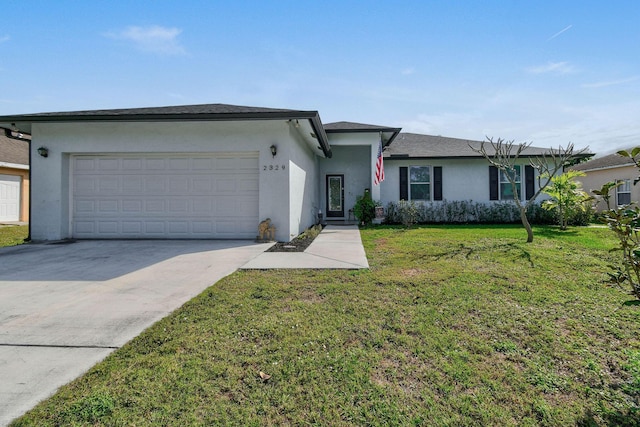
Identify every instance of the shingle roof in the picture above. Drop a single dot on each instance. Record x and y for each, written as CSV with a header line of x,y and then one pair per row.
x,y
178,110
23,122
388,134
610,161
415,145
355,127
14,151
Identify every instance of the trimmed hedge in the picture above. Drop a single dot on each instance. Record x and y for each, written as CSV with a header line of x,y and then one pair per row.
x,y
470,212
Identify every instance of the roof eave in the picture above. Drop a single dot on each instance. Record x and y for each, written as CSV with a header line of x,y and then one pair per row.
x,y
626,165
394,132
24,122
152,117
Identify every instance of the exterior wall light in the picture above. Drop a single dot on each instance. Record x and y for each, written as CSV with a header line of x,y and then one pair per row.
x,y
43,151
274,150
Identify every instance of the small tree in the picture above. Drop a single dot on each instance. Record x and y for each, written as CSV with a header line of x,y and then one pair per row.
x,y
624,221
505,155
567,196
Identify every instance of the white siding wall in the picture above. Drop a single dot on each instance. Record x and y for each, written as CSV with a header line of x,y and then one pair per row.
x,y
50,176
462,179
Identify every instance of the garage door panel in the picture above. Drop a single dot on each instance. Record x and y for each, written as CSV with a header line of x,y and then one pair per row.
x,y
155,164
132,227
108,206
109,185
131,165
168,196
109,164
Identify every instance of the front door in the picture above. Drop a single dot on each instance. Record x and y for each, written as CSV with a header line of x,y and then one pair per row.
x,y
335,196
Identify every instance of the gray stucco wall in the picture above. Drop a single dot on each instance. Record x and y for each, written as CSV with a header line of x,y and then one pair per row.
x,y
353,162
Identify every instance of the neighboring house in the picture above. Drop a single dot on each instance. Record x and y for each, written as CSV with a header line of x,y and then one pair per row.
x,y
14,178
216,171
610,168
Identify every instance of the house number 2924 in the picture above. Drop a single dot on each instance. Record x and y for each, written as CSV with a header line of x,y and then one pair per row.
x,y
272,167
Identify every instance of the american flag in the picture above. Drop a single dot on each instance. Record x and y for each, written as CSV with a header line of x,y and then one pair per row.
x,y
379,166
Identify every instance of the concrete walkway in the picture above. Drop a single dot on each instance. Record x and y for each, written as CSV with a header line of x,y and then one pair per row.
x,y
336,247
65,307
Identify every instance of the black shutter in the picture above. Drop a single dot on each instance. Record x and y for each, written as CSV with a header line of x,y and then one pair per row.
x,y
437,183
493,183
529,181
404,183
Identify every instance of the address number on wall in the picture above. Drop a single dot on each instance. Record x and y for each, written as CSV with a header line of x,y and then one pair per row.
x,y
272,167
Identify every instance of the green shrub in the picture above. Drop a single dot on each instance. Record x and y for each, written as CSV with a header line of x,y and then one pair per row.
x,y
408,213
365,208
470,212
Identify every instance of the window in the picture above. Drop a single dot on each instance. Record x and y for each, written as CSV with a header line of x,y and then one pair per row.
x,y
623,192
506,189
419,183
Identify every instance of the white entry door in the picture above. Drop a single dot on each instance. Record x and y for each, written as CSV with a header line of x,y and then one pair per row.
x,y
168,196
10,198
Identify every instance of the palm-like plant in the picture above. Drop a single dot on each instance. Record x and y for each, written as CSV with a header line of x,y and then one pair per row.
x,y
567,196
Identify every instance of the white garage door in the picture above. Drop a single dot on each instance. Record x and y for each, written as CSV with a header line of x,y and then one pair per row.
x,y
9,198
174,196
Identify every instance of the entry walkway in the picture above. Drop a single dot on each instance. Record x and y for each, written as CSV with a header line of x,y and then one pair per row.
x,y
336,247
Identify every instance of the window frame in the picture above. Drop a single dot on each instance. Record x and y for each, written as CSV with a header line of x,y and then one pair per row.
x,y
506,181
429,183
626,183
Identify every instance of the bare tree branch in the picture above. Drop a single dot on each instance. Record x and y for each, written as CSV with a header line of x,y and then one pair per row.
x,y
547,165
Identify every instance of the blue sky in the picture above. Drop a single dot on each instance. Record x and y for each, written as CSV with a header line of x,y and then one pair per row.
x,y
549,72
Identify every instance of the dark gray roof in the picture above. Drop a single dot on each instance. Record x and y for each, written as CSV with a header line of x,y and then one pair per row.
x,y
413,145
14,151
610,161
207,112
170,111
388,133
355,127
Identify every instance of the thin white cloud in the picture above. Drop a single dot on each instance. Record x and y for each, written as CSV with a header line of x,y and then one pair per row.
x,y
560,32
408,71
552,67
154,39
611,82
4,38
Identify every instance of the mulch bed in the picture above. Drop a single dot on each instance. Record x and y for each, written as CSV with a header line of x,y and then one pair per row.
x,y
299,244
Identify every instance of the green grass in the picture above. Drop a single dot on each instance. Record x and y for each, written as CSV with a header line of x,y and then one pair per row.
x,y
13,235
451,326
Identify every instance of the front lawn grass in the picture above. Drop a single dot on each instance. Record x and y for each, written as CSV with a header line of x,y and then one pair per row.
x,y
13,235
451,326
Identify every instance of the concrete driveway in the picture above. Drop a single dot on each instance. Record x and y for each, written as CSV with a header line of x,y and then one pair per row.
x,y
64,307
